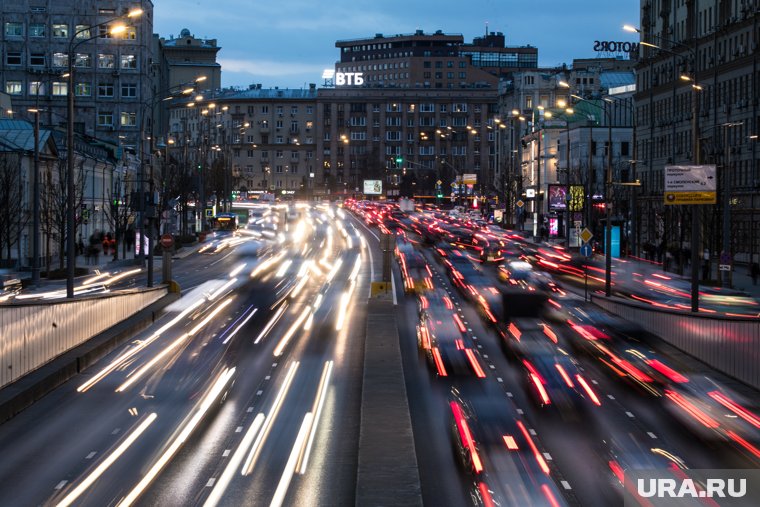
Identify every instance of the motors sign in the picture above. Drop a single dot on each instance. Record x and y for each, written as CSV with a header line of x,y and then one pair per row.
x,y
690,184
611,46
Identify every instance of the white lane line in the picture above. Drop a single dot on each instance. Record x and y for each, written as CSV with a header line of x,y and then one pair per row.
x,y
499,379
258,393
532,432
238,429
91,455
61,484
226,453
547,456
274,365
468,329
116,431
267,377
210,483
520,411
509,395
629,414
492,366
651,435
393,288
594,382
610,397
565,484
485,356
250,409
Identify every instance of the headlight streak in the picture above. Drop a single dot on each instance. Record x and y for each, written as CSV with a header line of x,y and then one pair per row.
x,y
106,463
334,269
124,357
290,466
221,289
355,270
343,309
271,323
299,286
266,264
250,460
208,401
283,268
291,331
229,471
120,276
233,333
134,377
96,278
235,272
316,409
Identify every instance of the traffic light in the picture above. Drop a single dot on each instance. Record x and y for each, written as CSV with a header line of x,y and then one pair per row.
x,y
399,160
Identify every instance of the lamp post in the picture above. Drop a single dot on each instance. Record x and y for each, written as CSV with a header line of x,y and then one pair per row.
x,y
696,220
36,202
70,221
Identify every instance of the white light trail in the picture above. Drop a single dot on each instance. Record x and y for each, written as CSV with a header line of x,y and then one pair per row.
x,y
291,331
290,466
271,323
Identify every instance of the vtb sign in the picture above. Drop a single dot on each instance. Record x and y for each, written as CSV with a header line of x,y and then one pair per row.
x,y
344,78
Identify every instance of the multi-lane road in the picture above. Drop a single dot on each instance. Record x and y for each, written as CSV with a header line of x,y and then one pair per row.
x,y
247,391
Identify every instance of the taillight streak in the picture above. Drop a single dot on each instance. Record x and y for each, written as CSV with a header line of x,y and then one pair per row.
x,y
735,408
589,391
539,457
466,436
474,363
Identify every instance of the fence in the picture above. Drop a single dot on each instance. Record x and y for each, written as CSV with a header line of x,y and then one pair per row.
x,y
35,333
731,345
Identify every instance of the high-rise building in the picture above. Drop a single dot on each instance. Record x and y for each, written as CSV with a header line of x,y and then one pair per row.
x,y
113,75
705,51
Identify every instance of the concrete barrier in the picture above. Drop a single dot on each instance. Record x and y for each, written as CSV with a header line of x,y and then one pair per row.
x,y
728,344
387,472
20,394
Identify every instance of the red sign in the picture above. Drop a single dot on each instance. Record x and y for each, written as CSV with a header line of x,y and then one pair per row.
x,y
167,240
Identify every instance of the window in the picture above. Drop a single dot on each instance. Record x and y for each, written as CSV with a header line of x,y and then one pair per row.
x,y
265,109
82,32
105,89
61,30
528,102
278,124
250,153
129,90
83,60
624,147
278,169
278,154
36,29
309,109
393,136
279,110
278,140
60,88
13,87
36,88
83,90
130,33
128,119
528,80
106,61
104,31
60,60
105,119
293,155
293,109
13,58
37,59
128,62
14,29
265,154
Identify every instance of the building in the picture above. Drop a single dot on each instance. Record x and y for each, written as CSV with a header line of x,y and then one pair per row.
x,y
713,45
113,75
436,60
185,58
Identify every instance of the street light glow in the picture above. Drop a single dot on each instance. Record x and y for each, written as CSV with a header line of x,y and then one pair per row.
x,y
135,13
631,28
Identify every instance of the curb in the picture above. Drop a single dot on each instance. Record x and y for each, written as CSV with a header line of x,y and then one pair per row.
x,y
19,395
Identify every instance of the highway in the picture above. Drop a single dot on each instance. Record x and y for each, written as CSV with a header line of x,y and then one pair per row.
x,y
247,390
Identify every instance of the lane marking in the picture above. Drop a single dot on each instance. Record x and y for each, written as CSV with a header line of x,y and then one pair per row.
x,y
492,366
238,429
210,483
610,397
91,455
250,409
565,484
226,453
594,382
258,393
651,435
547,456
532,432
485,356
274,365
499,379
629,414
509,395
520,411
116,431
61,484
267,377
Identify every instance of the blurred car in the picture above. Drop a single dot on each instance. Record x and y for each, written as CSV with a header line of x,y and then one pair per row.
x,y
498,452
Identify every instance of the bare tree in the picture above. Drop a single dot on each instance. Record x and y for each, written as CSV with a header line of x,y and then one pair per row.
x,y
11,202
54,202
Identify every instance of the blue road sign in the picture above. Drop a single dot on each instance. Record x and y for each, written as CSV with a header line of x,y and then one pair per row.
x,y
586,250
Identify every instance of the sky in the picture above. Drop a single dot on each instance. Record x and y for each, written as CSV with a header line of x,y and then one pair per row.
x,y
288,43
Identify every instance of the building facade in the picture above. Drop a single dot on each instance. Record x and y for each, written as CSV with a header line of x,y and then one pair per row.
x,y
113,75
712,44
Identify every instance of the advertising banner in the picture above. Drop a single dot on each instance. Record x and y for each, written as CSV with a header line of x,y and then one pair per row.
x,y
690,184
557,198
373,187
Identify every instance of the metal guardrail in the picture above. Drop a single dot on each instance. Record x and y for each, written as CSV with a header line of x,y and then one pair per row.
x,y
35,333
728,344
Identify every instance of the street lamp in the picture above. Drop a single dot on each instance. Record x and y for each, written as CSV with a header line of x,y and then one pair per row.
x,y
696,152
36,202
70,222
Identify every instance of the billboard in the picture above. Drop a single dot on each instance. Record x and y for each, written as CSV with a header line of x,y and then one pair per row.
x,y
577,197
557,198
373,187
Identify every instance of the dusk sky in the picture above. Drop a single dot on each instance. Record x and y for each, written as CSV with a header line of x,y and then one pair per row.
x,y
288,44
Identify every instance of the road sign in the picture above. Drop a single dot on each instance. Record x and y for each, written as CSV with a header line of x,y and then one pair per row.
x,y
519,203
439,183
586,235
689,184
586,250
725,258
724,267
167,240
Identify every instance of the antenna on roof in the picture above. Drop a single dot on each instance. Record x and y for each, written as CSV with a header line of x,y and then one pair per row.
x,y
486,28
